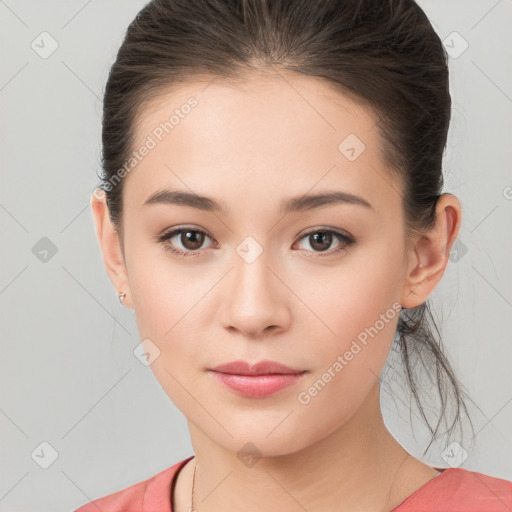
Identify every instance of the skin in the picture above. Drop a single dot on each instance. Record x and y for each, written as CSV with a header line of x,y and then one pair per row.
x,y
252,145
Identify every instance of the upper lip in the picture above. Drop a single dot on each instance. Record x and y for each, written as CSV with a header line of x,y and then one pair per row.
x,y
261,368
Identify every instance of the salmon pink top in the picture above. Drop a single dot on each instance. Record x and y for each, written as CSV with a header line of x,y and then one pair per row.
x,y
453,490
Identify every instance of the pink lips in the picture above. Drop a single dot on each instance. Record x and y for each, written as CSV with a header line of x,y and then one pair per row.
x,y
256,381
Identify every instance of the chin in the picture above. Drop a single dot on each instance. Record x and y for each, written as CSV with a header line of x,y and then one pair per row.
x,y
265,435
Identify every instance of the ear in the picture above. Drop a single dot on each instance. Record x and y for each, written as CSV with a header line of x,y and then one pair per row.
x,y
429,254
110,244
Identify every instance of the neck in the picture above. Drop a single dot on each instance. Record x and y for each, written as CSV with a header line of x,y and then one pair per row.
x,y
359,466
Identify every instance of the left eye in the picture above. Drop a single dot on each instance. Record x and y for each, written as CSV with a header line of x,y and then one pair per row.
x,y
321,239
192,239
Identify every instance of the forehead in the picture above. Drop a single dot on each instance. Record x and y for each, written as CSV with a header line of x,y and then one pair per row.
x,y
268,102
275,134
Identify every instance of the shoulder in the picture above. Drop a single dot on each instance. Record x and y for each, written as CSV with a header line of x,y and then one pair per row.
x,y
461,490
151,494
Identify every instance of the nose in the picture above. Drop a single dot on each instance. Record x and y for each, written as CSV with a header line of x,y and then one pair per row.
x,y
255,299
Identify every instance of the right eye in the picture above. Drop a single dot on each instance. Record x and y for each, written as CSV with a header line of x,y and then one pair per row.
x,y
190,238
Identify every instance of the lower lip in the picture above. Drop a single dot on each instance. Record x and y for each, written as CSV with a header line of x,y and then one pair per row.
x,y
258,386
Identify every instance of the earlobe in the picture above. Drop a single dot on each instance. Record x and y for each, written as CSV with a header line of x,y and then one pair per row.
x,y
110,245
429,255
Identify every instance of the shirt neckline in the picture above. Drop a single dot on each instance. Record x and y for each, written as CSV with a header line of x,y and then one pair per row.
x,y
175,478
414,495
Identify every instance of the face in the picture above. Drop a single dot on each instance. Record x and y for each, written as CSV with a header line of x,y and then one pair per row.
x,y
269,275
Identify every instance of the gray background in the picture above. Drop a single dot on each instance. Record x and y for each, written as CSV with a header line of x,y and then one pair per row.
x,y
69,377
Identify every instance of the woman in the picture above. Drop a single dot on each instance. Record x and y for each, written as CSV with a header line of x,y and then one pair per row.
x,y
270,209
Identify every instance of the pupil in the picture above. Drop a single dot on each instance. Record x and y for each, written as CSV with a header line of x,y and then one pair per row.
x,y
191,236
321,236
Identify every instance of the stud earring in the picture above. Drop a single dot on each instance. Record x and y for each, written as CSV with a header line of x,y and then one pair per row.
x,y
121,296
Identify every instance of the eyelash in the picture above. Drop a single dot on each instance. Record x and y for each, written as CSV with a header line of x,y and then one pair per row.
x,y
345,239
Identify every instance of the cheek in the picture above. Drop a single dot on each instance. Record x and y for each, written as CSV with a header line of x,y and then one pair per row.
x,y
360,293
164,304
357,311
168,300
348,366
164,293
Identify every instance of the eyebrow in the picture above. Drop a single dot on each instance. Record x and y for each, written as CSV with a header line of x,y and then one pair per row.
x,y
291,205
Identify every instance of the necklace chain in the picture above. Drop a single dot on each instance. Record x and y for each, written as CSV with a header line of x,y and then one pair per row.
x,y
192,508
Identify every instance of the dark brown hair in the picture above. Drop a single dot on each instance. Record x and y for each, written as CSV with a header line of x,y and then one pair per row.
x,y
382,53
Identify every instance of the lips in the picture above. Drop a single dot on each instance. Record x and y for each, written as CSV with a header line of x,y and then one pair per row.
x,y
261,368
258,380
